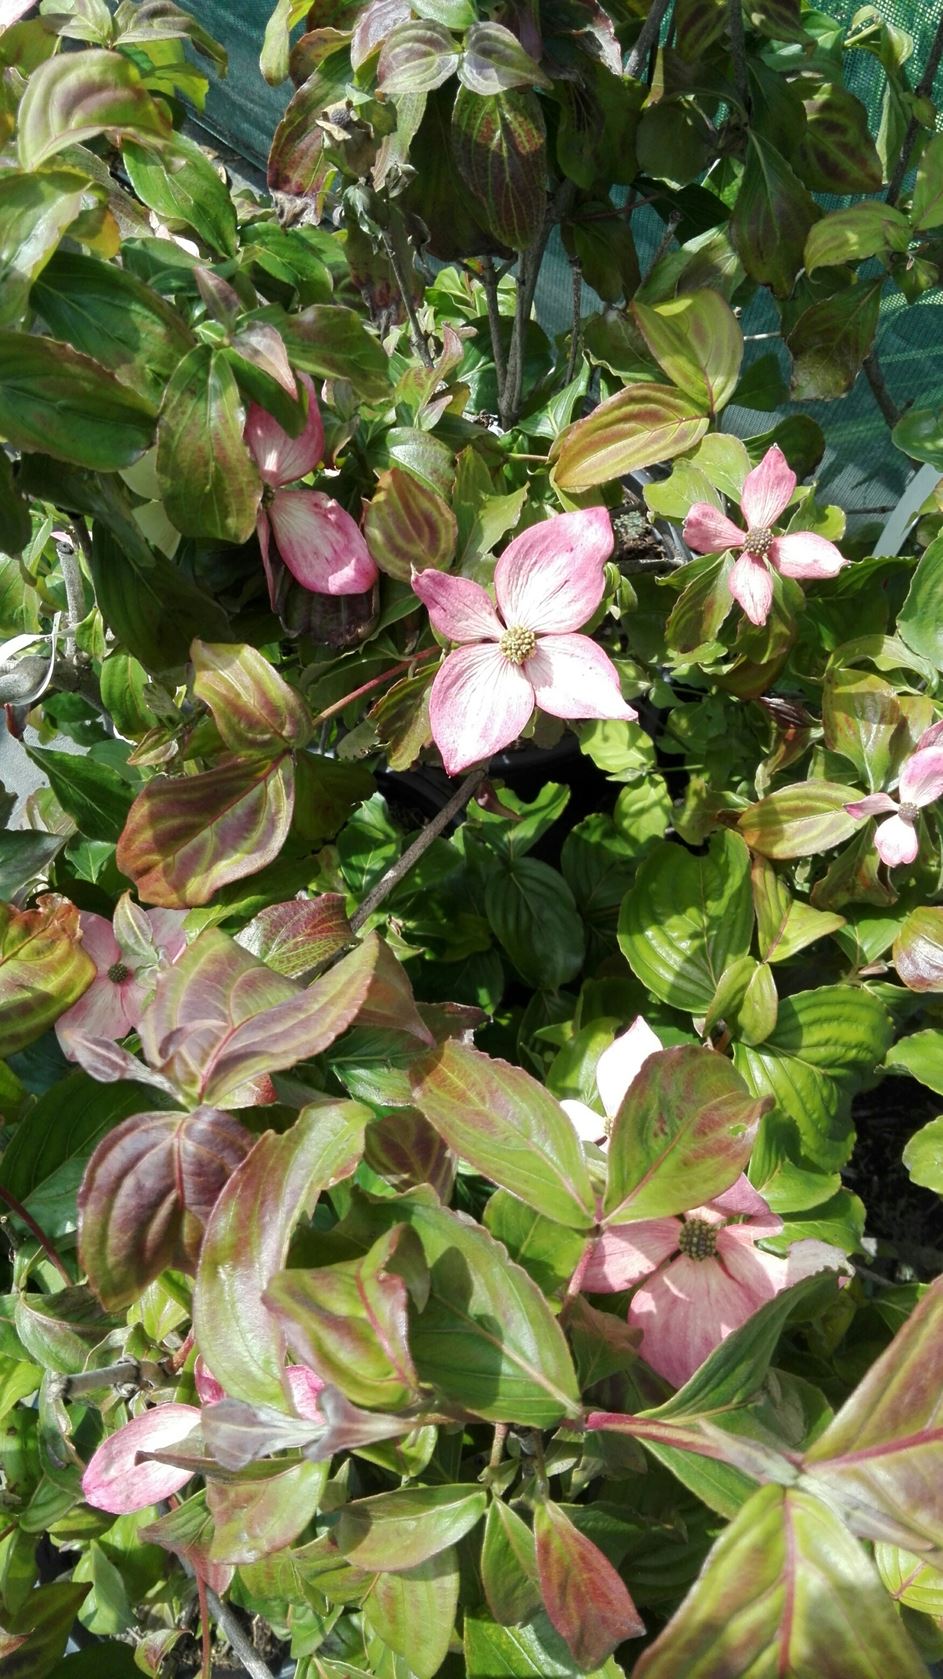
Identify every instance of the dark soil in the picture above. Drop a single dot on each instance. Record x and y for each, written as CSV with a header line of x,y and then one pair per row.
x,y
899,1211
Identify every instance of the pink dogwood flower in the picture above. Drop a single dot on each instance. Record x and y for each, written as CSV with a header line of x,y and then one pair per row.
x,y
547,583
127,954
766,494
322,546
705,1275
921,783
615,1070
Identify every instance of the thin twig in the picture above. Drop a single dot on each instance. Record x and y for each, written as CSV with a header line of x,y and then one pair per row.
x,y
421,843
576,336
74,584
738,52
489,282
19,1211
231,1629
923,90
126,1372
399,274
648,37
206,1671
665,241
528,273
882,396
375,682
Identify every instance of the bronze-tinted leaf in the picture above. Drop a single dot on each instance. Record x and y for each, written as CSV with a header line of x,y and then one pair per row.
x,y
75,96
830,341
639,426
295,937
407,524
586,1600
416,57
43,968
253,707
801,820
836,152
147,1193
211,486
696,339
398,1530
771,218
501,151
54,399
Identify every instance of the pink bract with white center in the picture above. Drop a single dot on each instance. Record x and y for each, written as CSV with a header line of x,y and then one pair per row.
x,y
322,546
123,984
116,1481
547,583
706,1276
766,493
921,783
615,1070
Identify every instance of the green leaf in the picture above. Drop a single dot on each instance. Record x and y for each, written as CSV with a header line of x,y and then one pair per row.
x,y
683,1133
36,1635
254,1520
533,914
179,182
918,950
863,720
43,969
253,707
926,210
785,1590
506,1125
494,60
921,1055
919,432
863,230
801,820
45,1159
771,218
105,312
211,486
836,152
415,57
534,1651
35,211
500,148
75,96
333,342
24,854
94,795
639,426
486,1339
414,1612
785,925
349,1322
56,400
830,340
549,1252
825,1045
246,1243
919,621
151,607
686,918
406,521
508,1569
696,339
397,1530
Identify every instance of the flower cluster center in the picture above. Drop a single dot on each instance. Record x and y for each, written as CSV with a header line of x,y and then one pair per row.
x,y
759,540
698,1239
517,644
118,973
908,813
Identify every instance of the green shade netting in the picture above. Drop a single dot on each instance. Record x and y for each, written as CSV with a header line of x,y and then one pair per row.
x,y
862,470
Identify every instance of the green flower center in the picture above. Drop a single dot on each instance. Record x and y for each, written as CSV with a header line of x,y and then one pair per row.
x,y
517,644
118,973
698,1239
759,541
908,813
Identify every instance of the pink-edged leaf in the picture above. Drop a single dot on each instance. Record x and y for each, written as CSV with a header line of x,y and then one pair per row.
x,y
186,837
147,1193
918,950
586,1600
349,1322
120,1479
220,1017
107,1062
256,1518
187,1531
500,147
246,1243
253,707
881,1458
43,968
406,520
637,427
75,96
504,1123
683,1134
295,937
786,1590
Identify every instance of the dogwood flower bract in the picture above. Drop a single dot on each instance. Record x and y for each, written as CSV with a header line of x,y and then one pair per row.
x,y
322,546
765,496
128,955
547,583
615,1071
921,783
704,1275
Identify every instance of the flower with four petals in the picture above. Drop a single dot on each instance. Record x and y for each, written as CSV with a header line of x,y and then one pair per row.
x,y
920,783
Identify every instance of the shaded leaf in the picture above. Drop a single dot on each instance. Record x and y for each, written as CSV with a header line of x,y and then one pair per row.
x,y
499,142
771,218
35,211
54,399
830,341
414,1611
107,313
92,793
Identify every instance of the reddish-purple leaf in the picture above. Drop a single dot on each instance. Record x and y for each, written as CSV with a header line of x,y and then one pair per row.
x,y
389,1000
43,968
117,1481
188,836
295,937
147,1193
500,148
771,218
188,1533
246,1244
416,57
587,1601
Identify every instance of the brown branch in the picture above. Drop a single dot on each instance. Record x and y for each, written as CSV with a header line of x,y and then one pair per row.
x,y
738,53
923,90
489,282
19,1211
576,336
421,844
648,38
871,368
405,290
